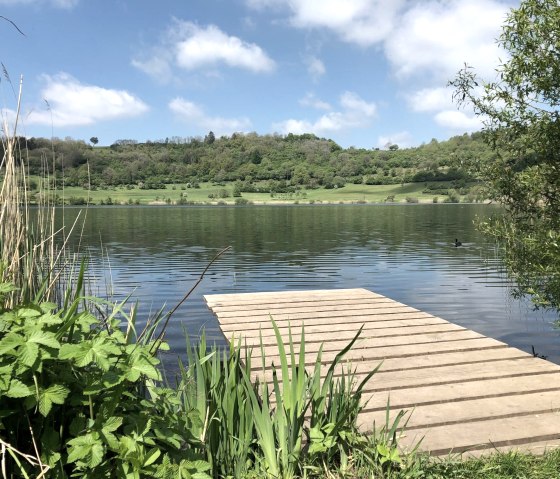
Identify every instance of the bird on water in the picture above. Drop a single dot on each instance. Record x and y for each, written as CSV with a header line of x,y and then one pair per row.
x,y
457,243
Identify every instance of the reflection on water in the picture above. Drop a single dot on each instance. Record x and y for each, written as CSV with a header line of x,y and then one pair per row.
x,y
405,252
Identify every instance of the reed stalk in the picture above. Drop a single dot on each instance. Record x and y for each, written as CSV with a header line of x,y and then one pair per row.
x,y
30,250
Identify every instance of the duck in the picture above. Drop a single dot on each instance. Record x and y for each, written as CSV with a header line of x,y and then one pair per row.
x,y
457,243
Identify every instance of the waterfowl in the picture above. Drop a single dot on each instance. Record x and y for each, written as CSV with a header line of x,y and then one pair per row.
x,y
457,243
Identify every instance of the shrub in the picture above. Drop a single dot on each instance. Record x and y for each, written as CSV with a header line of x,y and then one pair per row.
x,y
411,199
85,393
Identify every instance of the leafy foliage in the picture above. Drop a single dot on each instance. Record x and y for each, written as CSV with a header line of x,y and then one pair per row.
x,y
522,124
292,426
259,163
88,395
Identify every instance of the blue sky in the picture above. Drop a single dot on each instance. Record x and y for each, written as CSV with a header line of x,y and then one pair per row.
x,y
365,73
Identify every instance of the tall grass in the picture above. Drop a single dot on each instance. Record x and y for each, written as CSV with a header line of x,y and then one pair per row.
x,y
302,423
32,250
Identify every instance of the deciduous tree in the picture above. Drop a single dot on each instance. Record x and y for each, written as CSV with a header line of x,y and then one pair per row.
x,y
520,112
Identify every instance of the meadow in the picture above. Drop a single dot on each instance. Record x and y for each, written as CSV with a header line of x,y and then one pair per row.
x,y
214,193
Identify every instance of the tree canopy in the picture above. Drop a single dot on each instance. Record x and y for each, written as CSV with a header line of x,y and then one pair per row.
x,y
520,112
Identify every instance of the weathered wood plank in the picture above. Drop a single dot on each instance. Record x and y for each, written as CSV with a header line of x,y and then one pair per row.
x,y
466,392
471,410
486,435
326,317
409,397
233,329
287,296
346,334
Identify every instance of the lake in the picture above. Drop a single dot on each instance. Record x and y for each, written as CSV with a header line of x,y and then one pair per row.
x,y
405,252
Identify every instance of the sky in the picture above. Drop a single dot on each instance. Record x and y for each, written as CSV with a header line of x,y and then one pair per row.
x,y
365,73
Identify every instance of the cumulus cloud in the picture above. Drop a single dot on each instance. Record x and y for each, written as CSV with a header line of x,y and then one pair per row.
x,y
315,67
437,38
364,22
72,103
431,99
458,121
354,113
189,46
192,113
415,35
424,41
312,101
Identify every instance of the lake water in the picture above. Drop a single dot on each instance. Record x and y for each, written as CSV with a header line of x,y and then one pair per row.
x,y
404,252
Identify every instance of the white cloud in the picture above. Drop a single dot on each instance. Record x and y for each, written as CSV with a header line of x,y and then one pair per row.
x,y
426,42
352,103
315,68
416,35
458,121
431,99
402,138
355,113
312,101
189,46
436,38
199,47
364,22
157,67
193,113
55,3
72,103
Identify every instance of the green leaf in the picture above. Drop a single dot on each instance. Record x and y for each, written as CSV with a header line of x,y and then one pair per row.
x,y
6,288
47,307
28,313
87,450
152,457
18,389
10,342
112,424
49,319
28,353
55,394
45,338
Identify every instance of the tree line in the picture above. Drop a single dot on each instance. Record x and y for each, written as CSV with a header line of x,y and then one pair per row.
x,y
273,162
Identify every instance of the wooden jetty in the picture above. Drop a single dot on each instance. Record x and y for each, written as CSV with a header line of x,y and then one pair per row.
x,y
464,392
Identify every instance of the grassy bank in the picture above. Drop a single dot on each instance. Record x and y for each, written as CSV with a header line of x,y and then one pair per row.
x,y
227,193
213,193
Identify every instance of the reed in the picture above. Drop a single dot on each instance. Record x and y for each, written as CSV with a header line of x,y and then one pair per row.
x,y
32,250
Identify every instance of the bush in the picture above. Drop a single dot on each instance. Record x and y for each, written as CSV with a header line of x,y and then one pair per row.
x,y
85,393
452,197
411,199
77,200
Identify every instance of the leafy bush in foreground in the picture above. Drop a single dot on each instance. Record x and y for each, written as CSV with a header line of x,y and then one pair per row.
x,y
79,398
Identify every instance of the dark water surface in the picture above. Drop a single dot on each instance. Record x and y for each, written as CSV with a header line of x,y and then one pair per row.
x,y
404,252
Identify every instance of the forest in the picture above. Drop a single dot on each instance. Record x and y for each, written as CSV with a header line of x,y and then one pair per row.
x,y
257,163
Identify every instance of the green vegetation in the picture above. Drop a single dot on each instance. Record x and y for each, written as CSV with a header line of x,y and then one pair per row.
x,y
211,193
258,168
522,125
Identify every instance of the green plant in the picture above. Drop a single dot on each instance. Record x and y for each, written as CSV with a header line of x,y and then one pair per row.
x,y
213,388
321,413
81,395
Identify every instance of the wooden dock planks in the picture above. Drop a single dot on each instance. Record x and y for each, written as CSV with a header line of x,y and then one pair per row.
x,y
463,392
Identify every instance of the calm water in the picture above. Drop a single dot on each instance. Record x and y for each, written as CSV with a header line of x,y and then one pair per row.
x,y
405,252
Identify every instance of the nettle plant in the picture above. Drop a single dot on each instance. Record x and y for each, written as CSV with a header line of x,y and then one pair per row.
x,y
80,397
